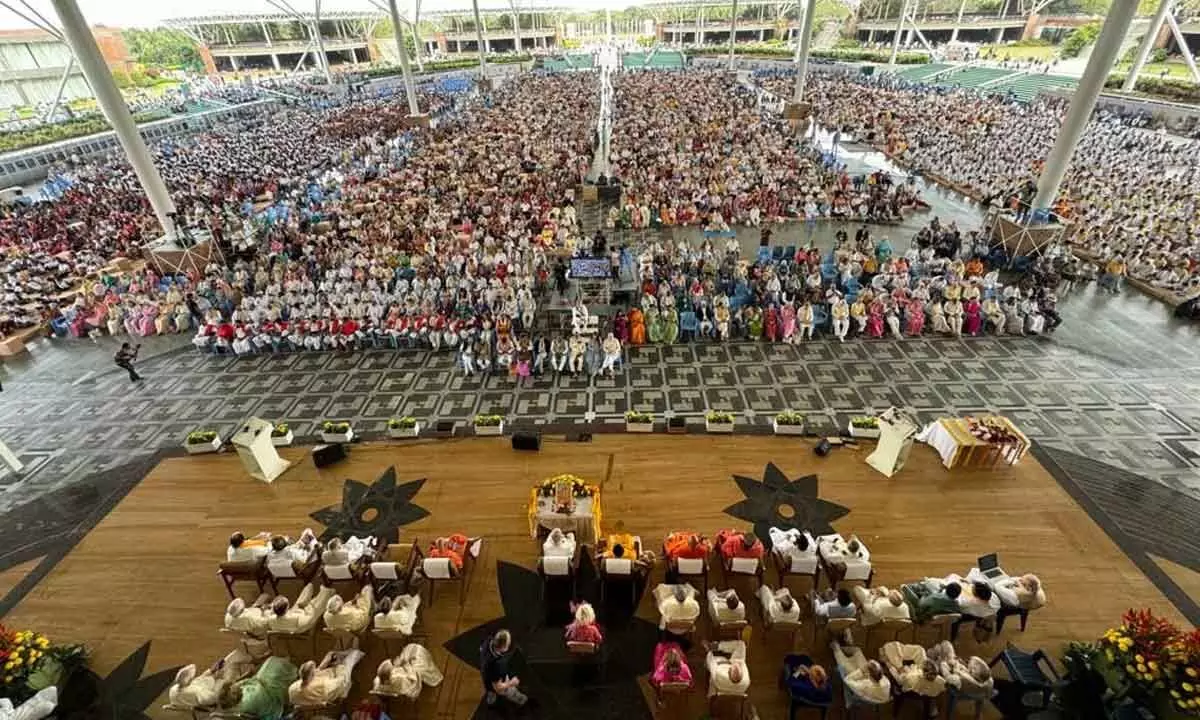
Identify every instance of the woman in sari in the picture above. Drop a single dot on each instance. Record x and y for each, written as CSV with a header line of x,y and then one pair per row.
x,y
264,696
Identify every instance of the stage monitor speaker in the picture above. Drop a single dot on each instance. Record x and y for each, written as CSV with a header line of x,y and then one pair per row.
x,y
326,455
444,427
527,441
676,424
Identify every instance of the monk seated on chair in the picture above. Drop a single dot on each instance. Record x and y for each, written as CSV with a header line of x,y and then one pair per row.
x,y
452,547
254,620
778,605
846,560
353,616
243,549
302,615
689,545
912,670
338,553
797,547
283,550
583,628
879,604
737,544
608,549
191,691
676,604
724,607
327,683
559,544
398,614
727,671
407,674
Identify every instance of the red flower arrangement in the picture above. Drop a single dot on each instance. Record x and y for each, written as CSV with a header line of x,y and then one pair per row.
x,y
1155,656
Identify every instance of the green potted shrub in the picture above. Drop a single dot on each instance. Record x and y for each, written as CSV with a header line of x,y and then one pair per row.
x,y
639,422
403,427
202,441
336,431
281,435
788,423
489,424
864,426
718,421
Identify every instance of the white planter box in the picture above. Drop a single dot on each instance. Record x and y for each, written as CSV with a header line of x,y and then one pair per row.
x,y
405,432
338,437
639,427
718,427
203,448
282,440
863,432
485,430
787,429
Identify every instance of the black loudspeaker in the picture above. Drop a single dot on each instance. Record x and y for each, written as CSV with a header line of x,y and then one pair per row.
x,y
326,455
676,424
822,448
527,441
444,427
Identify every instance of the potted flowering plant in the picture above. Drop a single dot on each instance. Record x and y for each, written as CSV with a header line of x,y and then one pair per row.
x,y
403,427
281,435
489,424
336,431
864,426
29,663
1152,661
202,441
788,423
639,422
717,421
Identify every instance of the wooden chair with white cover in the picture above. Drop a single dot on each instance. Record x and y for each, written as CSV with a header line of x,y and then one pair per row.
x,y
729,629
395,565
285,570
889,628
254,571
943,625
442,570
559,569
691,570
742,571
798,576
833,627
780,627
621,570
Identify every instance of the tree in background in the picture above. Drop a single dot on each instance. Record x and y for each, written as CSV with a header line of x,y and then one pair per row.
x,y
164,48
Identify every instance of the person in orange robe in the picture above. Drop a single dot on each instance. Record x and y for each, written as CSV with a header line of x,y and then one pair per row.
x,y
737,544
451,547
684,544
637,327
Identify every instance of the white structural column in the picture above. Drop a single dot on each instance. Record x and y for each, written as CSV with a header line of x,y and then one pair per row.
x,y
87,54
322,58
1104,54
1184,50
958,23
517,25
810,9
899,30
410,88
418,44
1147,45
479,39
732,33
700,27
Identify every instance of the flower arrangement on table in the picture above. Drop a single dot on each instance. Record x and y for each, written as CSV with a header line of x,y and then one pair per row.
x,y
639,418
402,423
280,430
488,420
865,422
789,417
335,427
579,487
201,437
29,663
719,417
1152,657
991,430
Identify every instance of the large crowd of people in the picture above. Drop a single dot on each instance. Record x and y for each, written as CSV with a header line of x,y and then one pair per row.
x,y
1130,194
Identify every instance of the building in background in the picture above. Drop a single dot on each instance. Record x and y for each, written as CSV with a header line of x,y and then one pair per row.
x,y
33,64
279,41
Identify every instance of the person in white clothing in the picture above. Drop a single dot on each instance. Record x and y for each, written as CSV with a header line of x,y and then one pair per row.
x,y
253,620
559,544
243,549
350,616
879,604
398,614
797,547
724,606
676,604
287,617
727,671
778,605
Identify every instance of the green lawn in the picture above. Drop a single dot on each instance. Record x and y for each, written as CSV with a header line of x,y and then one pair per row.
x,y
1020,52
1177,69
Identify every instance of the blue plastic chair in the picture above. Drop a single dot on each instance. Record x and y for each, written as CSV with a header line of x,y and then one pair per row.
x,y
790,253
777,253
820,317
853,286
764,255
688,325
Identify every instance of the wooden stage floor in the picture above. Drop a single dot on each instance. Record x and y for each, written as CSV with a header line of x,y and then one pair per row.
x,y
147,571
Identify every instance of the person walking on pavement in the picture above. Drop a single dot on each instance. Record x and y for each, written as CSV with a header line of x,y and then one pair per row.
x,y
124,360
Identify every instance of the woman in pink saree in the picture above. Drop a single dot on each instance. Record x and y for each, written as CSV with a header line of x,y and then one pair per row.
x,y
916,317
974,317
875,319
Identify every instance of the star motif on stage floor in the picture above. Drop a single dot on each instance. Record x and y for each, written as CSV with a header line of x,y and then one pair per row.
x,y
562,686
378,509
123,695
778,502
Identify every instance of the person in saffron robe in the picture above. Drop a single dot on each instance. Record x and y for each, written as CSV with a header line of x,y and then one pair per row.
x,y
637,327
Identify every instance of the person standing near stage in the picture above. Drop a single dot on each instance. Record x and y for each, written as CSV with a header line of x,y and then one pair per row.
x,y
124,360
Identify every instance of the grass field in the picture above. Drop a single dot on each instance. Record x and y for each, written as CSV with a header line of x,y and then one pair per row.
x,y
1175,69
1021,52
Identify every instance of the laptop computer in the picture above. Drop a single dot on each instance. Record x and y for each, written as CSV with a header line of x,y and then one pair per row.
x,y
989,565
